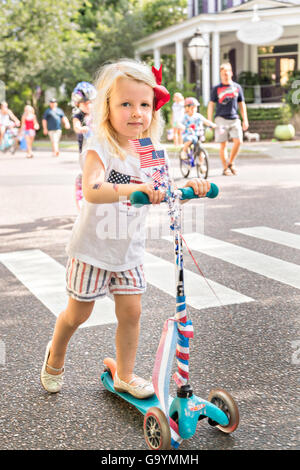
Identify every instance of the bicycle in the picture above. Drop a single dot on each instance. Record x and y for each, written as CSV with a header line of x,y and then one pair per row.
x,y
197,156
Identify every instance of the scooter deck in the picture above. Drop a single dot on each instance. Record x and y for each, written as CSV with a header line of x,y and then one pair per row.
x,y
142,405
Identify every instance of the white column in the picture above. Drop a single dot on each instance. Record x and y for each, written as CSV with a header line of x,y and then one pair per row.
x,y
179,61
245,57
157,58
215,58
253,59
206,72
137,55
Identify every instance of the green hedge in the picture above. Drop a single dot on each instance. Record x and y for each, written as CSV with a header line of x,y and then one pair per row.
x,y
282,114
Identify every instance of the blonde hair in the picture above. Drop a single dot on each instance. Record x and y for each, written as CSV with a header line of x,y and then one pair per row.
x,y
225,65
29,109
180,96
106,78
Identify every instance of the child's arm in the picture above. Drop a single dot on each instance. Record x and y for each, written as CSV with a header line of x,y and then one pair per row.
x,y
97,191
209,123
36,124
22,125
78,128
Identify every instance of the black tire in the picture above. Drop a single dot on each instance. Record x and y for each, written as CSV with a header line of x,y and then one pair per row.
x,y
202,165
185,166
226,403
157,430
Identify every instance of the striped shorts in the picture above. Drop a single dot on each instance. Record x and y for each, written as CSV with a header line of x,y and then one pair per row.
x,y
85,282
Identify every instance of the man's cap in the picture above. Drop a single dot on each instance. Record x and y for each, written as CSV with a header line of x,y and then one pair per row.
x,y
53,100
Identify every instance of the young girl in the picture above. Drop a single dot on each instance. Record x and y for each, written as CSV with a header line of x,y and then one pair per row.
x,y
177,117
102,260
29,125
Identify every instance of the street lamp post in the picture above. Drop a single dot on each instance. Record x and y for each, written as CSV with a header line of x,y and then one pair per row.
x,y
197,47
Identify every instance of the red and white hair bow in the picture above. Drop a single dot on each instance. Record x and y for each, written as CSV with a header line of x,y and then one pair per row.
x,y
162,96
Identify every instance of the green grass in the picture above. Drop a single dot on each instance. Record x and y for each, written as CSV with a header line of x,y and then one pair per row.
x,y
64,144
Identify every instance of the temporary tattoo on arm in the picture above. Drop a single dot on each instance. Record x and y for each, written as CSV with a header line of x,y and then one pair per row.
x,y
116,187
97,185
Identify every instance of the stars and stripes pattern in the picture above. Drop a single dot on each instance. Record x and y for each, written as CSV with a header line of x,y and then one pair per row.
x,y
157,178
120,178
149,157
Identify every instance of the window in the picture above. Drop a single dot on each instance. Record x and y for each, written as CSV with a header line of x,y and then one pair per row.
x,y
283,49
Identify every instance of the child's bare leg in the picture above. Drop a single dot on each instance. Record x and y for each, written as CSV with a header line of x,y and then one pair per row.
x,y
128,311
67,323
175,136
180,141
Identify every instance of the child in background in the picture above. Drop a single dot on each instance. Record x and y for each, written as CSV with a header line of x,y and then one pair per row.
x,y
193,125
29,125
83,95
177,117
126,107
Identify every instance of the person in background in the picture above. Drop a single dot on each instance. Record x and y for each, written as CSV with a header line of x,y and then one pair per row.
x,y
29,125
228,98
177,117
82,96
52,119
193,125
7,119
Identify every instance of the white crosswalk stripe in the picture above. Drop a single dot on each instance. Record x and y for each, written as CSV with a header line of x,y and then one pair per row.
x,y
45,278
273,268
272,235
200,292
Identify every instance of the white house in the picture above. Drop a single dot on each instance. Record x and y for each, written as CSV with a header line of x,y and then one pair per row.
x,y
219,21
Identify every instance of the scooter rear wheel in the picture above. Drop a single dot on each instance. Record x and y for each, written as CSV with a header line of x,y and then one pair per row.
x,y
226,403
157,430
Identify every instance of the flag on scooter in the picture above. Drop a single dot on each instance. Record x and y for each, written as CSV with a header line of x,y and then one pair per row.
x,y
149,157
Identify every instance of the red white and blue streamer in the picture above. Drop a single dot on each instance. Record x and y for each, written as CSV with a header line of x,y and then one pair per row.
x,y
177,330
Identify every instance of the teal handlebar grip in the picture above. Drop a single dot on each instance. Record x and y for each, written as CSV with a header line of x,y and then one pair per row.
x,y
138,198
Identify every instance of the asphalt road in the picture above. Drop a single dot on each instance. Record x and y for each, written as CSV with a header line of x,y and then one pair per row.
x,y
248,346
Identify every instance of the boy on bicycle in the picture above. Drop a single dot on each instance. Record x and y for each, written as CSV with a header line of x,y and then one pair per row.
x,y
192,125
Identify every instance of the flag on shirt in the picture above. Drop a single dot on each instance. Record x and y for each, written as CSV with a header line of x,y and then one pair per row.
x,y
149,157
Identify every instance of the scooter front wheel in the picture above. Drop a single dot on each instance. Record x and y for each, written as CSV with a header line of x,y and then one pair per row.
x,y
157,430
226,403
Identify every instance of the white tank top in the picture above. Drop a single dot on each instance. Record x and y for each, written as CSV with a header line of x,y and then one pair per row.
x,y
111,236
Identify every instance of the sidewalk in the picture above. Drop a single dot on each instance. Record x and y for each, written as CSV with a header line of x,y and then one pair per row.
x,y
264,149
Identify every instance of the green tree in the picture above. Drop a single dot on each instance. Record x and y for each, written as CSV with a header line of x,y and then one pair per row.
x,y
40,43
159,14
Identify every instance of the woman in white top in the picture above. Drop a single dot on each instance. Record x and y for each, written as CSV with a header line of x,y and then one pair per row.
x,y
177,117
7,119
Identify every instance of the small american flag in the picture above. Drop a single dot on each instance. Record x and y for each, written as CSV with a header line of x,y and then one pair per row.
x,y
149,157
142,145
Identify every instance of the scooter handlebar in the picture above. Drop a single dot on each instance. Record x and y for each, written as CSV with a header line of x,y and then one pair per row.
x,y
138,198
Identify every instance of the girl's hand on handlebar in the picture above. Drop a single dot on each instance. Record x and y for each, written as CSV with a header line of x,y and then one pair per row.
x,y
155,196
200,187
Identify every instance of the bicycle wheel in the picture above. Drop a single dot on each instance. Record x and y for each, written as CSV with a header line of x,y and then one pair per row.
x,y
202,165
185,165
